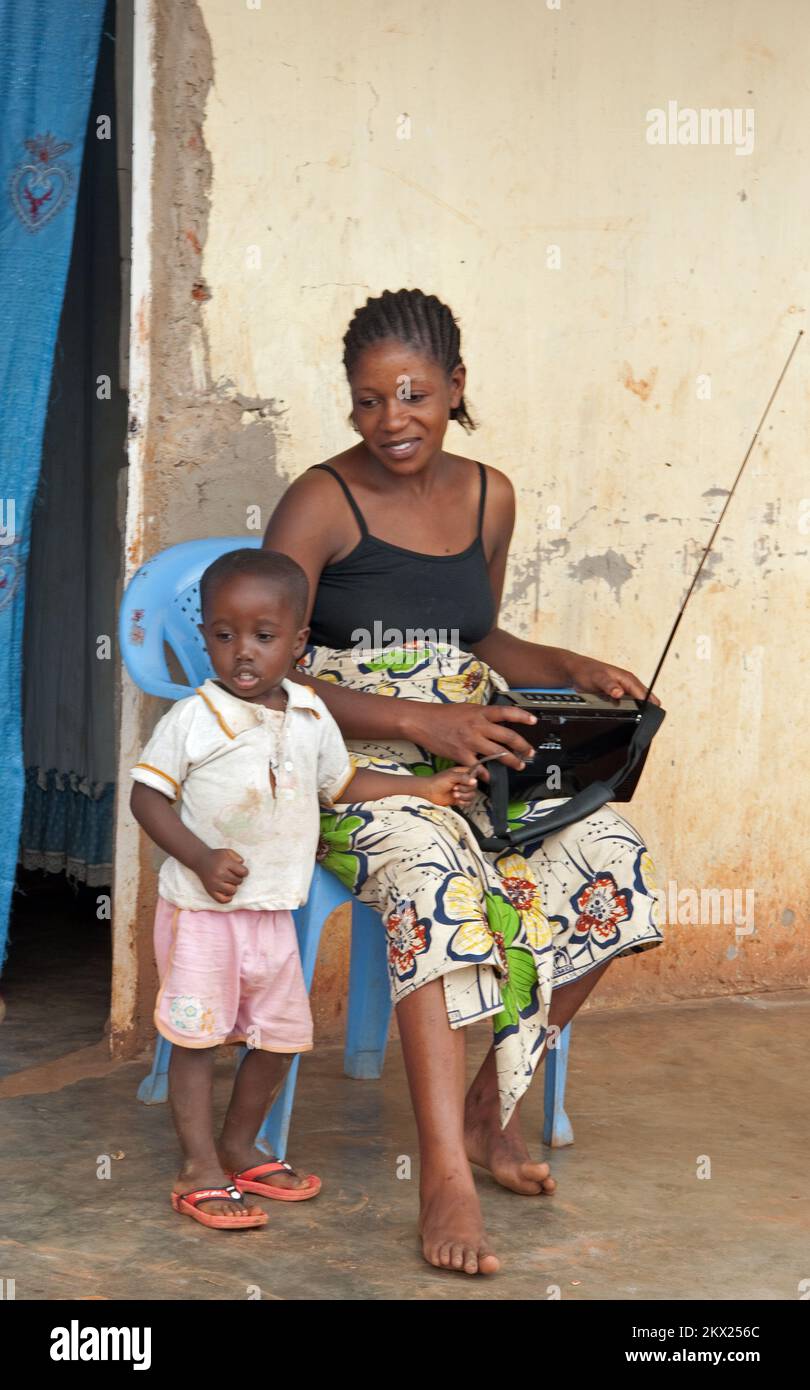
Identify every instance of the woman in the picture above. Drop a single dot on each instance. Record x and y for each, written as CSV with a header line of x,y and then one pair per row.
x,y
403,544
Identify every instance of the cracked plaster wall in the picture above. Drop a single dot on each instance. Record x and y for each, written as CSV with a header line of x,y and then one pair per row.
x,y
285,194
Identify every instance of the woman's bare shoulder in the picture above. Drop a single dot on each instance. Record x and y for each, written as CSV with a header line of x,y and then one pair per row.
x,y
306,514
500,485
494,475
312,483
500,490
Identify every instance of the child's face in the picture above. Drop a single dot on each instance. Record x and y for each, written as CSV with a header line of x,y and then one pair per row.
x,y
251,635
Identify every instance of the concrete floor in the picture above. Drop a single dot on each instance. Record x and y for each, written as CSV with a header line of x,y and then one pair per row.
x,y
650,1092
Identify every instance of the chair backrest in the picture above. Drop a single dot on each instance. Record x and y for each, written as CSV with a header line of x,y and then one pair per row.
x,y
162,605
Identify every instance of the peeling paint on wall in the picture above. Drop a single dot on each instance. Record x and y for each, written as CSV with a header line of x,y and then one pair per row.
x,y
215,450
614,569
209,455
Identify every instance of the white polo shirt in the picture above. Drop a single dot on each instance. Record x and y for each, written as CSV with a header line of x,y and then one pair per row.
x,y
251,780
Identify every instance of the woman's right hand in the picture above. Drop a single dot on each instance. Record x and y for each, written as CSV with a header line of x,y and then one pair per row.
x,y
467,733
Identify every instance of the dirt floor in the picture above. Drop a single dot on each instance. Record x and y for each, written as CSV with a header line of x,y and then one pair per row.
x,y
656,1097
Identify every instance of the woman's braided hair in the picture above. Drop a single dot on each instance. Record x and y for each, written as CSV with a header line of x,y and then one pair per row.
x,y
419,321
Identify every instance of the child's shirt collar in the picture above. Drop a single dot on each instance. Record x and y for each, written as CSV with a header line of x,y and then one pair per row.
x,y
237,716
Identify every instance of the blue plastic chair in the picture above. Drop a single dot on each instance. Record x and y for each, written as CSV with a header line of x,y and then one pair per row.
x,y
161,608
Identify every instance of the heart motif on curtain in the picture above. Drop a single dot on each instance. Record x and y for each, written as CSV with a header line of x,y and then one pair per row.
x,y
39,190
10,570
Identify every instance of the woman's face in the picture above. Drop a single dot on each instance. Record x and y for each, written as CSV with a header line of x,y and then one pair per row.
x,y
401,403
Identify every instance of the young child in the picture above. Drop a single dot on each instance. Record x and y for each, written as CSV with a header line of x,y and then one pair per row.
x,y
253,754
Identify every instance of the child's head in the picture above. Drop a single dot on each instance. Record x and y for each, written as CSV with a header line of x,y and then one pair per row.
x,y
253,605
402,354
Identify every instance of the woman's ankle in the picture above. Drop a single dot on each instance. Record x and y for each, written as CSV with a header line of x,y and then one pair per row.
x,y
442,1163
481,1103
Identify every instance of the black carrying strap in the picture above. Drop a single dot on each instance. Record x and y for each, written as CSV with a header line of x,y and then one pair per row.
x,y
583,804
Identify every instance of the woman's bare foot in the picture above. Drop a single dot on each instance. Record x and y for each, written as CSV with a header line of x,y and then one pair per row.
x,y
503,1152
251,1157
450,1224
193,1177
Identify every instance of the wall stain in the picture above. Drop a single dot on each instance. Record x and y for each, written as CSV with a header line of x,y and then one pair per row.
x,y
641,386
612,567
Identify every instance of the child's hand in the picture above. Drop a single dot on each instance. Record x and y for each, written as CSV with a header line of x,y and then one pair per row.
x,y
221,872
455,787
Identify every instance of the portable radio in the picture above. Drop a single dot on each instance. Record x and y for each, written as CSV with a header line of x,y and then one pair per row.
x,y
577,739
588,748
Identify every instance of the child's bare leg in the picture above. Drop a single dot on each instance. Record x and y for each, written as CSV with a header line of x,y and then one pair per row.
x,y
257,1084
450,1222
191,1072
504,1151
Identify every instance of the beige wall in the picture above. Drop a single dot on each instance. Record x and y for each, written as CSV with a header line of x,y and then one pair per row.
x,y
277,142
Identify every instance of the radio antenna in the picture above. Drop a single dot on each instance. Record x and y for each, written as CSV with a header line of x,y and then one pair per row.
x,y
717,524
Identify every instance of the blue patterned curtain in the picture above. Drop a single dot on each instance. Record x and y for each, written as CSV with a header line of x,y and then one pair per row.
x,y
68,697
48,54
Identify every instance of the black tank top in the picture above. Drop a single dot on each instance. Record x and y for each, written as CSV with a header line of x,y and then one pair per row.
x,y
381,594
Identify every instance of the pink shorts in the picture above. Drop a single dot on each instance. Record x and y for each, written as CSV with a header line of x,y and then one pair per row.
x,y
229,977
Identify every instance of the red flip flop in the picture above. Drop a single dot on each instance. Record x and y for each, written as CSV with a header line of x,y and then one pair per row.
x,y
246,1181
186,1203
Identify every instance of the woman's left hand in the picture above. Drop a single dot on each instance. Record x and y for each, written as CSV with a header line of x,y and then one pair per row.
x,y
454,787
592,677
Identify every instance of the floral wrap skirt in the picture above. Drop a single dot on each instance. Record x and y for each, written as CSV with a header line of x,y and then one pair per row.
x,y
502,930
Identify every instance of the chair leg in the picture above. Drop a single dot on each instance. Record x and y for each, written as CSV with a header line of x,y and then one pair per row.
x,y
154,1089
309,920
370,1005
273,1135
557,1131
